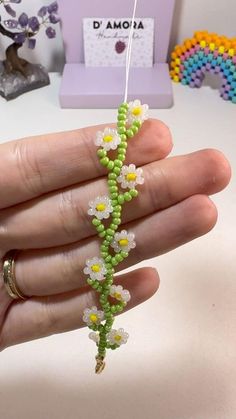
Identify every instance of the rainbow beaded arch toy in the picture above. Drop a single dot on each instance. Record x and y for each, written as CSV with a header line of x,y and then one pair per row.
x,y
206,52
116,245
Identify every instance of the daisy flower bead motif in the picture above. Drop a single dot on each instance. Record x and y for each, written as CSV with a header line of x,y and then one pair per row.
x,y
101,207
137,112
95,268
117,337
94,336
109,139
118,292
130,177
93,316
123,241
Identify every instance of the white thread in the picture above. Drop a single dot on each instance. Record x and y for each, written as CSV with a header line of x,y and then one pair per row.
x,y
129,51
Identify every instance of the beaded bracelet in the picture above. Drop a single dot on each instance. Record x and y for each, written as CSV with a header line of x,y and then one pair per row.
x,y
116,245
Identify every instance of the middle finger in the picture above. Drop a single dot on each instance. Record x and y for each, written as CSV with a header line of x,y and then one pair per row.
x,y
61,217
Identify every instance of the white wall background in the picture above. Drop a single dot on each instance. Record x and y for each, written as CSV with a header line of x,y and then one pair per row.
x,y
190,15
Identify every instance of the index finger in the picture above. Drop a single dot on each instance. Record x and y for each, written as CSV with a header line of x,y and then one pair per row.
x,y
33,166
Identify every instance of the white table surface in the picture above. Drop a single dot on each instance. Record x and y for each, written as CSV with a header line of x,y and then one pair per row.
x,y
180,361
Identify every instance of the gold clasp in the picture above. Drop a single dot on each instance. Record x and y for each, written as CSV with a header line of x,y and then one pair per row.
x,y
100,364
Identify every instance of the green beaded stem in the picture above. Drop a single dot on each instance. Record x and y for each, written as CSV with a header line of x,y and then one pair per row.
x,y
118,199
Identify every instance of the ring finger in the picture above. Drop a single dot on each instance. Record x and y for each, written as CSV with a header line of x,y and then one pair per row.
x,y
57,270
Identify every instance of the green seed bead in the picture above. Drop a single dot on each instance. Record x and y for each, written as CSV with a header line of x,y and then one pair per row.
x,y
113,309
96,222
119,258
101,153
110,232
114,262
113,189
109,282
100,228
112,176
109,238
124,105
127,196
110,165
114,202
121,199
102,235
118,163
122,152
124,254
100,288
117,221
111,182
121,157
114,195
90,281
135,129
104,248
120,308
108,258
116,170
104,161
122,117
122,110
114,226
118,208
133,193
116,214
104,255
106,243
130,133
123,138
121,124
137,124
108,266
123,145
121,130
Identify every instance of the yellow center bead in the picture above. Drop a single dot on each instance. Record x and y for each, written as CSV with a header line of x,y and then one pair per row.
x,y
101,207
118,338
123,242
131,177
117,295
96,268
107,138
93,318
137,111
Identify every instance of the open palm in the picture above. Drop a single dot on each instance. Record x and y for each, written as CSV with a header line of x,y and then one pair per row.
x,y
46,183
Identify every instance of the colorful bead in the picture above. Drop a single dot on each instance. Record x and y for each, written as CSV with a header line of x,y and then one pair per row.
x,y
205,52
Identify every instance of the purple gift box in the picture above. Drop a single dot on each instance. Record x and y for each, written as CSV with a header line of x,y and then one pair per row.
x,y
103,87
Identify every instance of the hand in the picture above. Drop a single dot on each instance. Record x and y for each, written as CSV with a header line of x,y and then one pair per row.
x,y
46,183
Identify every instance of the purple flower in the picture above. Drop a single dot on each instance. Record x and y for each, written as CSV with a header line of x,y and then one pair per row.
x,y
54,18
20,38
9,10
50,32
53,7
31,43
43,11
34,23
23,20
11,23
